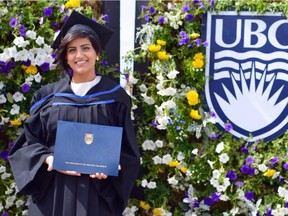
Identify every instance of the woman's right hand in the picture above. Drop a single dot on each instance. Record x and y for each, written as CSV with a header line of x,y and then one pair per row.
x,y
49,161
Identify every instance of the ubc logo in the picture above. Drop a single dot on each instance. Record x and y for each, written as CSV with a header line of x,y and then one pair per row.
x,y
247,70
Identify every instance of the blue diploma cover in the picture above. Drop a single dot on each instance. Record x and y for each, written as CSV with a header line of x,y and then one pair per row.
x,y
87,148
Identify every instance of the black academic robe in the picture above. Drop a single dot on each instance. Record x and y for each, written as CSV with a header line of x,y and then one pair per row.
x,y
56,194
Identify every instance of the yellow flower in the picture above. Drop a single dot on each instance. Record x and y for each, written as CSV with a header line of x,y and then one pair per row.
x,y
194,114
15,122
162,55
269,173
183,169
199,56
198,63
192,97
161,42
194,35
154,47
144,205
173,163
72,4
157,211
32,69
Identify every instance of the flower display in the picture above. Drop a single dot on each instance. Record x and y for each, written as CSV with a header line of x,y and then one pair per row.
x,y
198,169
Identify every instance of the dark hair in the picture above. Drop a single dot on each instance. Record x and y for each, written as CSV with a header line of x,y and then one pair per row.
x,y
70,36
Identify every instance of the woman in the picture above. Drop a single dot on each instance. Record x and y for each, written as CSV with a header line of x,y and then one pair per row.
x,y
83,97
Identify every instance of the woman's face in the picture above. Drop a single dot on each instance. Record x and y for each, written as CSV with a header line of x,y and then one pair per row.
x,y
81,57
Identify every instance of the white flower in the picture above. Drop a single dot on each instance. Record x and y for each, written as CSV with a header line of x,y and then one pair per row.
x,y
216,174
224,197
2,99
20,42
224,158
37,78
148,145
167,92
22,55
168,104
40,40
2,169
210,163
151,185
132,79
172,180
31,34
220,147
172,74
2,85
144,183
262,167
5,176
144,47
147,99
17,96
157,160
195,151
15,109
19,203
167,158
180,156
159,143
10,201
143,88
4,120
283,193
163,122
130,211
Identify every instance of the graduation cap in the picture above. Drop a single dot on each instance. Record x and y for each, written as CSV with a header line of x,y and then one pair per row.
x,y
78,21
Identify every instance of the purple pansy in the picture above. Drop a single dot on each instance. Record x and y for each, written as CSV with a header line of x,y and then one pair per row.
x,y
198,42
103,62
274,161
239,183
208,201
4,154
184,38
245,169
22,30
45,66
25,88
231,175
105,18
189,17
11,144
249,160
285,166
48,11
212,3
152,10
249,195
244,150
161,20
146,17
228,127
268,212
215,197
13,22
5,214
214,136
185,7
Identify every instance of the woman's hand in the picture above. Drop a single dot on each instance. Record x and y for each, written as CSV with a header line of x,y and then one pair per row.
x,y
101,175
49,161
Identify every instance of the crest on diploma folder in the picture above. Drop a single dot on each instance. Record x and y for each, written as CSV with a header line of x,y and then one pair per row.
x,y
87,148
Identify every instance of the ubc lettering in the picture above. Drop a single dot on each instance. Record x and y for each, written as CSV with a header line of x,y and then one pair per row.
x,y
261,32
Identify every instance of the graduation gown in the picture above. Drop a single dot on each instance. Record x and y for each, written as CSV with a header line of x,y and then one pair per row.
x,y
56,194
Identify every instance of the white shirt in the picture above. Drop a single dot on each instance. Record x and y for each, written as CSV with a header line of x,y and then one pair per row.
x,y
81,89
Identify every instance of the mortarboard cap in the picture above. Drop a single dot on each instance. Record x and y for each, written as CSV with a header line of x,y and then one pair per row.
x,y
75,18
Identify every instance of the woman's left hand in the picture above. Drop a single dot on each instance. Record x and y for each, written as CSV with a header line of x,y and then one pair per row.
x,y
99,176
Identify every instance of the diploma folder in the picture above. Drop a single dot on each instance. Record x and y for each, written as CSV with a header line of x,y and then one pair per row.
x,y
87,148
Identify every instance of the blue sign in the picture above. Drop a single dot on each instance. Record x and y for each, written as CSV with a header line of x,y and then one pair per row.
x,y
247,72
